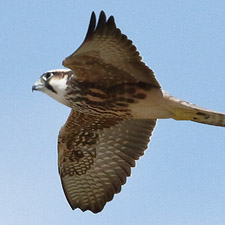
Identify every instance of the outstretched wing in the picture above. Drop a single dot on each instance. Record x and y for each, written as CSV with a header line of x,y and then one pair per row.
x,y
108,56
96,156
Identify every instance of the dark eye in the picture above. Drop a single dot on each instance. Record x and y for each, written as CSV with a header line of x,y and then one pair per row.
x,y
47,75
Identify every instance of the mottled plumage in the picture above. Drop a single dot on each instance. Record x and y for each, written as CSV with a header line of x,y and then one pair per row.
x,y
115,101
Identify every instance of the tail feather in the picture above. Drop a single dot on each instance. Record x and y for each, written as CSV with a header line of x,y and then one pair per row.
x,y
182,110
200,115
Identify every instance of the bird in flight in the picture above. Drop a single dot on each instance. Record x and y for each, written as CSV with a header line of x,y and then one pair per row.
x,y
115,101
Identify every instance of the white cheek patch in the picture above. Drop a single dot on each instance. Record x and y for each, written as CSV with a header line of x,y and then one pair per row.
x,y
59,85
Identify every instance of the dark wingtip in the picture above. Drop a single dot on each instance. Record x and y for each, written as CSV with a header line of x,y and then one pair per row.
x,y
101,21
111,23
92,24
101,24
102,14
111,20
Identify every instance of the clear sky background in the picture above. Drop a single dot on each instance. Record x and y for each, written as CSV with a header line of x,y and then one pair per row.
x,y
181,178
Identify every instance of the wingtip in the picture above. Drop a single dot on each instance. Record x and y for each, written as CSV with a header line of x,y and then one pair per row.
x,y
93,15
111,23
101,21
111,19
102,13
92,24
93,209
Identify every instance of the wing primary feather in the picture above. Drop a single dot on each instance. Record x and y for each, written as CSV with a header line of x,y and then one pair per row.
x,y
67,195
91,27
111,21
101,22
111,26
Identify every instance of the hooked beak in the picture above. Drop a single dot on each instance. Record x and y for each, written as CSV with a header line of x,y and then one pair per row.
x,y
38,85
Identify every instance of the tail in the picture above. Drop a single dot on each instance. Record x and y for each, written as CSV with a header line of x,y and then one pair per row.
x,y
182,110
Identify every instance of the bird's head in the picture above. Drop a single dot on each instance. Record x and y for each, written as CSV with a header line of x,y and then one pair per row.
x,y
54,84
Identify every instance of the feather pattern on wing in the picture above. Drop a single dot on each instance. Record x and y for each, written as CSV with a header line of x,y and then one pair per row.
x,y
108,56
96,156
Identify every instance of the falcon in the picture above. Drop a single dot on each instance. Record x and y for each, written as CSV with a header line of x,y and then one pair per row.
x,y
115,101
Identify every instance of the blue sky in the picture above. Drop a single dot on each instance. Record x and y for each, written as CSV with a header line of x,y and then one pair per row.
x,y
181,178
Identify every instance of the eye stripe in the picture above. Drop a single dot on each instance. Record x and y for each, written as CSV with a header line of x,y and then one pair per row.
x,y
47,85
